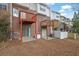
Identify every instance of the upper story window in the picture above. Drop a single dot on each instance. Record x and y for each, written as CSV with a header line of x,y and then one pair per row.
x,y
33,6
57,16
15,12
42,9
3,6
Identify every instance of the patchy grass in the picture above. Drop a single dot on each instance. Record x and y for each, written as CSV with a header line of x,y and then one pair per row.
x,y
41,48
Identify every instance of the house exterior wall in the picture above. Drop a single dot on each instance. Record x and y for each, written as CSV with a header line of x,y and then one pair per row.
x,y
32,6
55,24
43,9
55,20
66,23
45,17
16,20
55,15
43,21
24,4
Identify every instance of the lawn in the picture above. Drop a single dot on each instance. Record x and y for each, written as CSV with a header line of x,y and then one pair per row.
x,y
41,47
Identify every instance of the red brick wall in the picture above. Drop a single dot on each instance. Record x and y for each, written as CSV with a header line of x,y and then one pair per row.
x,y
35,27
43,21
16,23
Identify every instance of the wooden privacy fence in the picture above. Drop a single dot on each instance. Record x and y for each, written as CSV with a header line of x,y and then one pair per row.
x,y
72,35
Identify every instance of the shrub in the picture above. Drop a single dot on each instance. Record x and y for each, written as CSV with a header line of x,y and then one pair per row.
x,y
4,25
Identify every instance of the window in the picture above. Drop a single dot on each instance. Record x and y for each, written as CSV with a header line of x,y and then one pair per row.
x,y
42,9
57,16
3,6
0,6
23,15
15,12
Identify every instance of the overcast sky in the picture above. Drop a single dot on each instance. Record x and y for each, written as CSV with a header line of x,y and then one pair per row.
x,y
65,9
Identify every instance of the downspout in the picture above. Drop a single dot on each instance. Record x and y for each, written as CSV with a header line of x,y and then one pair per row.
x,y
50,21
11,12
36,23
51,24
20,28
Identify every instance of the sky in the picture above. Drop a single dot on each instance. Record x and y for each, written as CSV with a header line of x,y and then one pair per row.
x,y
65,9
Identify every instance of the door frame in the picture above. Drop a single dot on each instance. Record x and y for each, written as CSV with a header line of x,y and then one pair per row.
x,y
28,30
46,32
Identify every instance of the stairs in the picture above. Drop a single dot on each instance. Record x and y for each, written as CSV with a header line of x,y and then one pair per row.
x,y
26,39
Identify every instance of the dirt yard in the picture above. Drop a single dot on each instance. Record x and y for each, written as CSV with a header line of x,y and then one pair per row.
x,y
42,48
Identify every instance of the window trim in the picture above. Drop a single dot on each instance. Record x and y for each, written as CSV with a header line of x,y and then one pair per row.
x,y
42,9
15,12
3,6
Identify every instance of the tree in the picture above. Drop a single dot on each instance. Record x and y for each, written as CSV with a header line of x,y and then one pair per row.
x,y
76,23
76,26
4,25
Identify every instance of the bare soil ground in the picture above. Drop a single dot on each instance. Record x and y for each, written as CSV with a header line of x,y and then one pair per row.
x,y
53,47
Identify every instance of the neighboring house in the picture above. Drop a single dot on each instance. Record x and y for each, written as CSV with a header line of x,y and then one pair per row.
x,y
65,24
43,20
69,24
55,21
62,24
